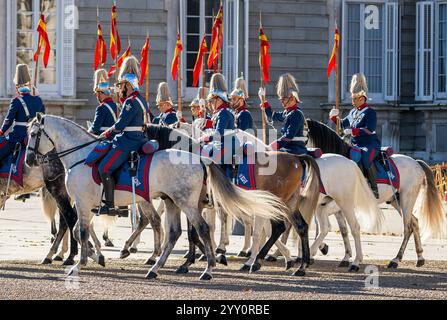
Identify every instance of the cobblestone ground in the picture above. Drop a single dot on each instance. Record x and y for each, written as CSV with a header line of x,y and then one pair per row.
x,y
25,237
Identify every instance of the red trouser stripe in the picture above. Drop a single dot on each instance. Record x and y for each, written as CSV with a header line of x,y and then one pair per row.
x,y
111,161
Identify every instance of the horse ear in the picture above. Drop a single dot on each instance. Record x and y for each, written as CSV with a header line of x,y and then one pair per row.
x,y
39,117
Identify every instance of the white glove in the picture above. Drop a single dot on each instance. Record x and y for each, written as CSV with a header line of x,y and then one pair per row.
x,y
348,132
334,113
36,91
179,115
262,94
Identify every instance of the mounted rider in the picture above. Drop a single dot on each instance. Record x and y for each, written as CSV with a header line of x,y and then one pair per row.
x,y
200,117
127,133
22,109
292,139
222,119
167,115
239,96
361,125
107,112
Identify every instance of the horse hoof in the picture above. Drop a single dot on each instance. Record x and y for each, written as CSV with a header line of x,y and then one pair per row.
x,y
221,251
249,254
311,262
354,269
289,265
245,268
222,259
58,259
46,261
124,254
325,250
203,258
102,261
255,267
271,259
206,277
68,262
133,250
299,273
344,264
393,265
420,263
242,254
109,244
150,262
151,275
182,270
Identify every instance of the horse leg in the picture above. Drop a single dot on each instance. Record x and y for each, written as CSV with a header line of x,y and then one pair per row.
x,y
136,242
63,227
199,223
148,210
284,238
259,225
53,230
323,222
98,256
303,232
64,248
210,218
224,234
418,242
107,241
247,240
408,231
278,228
191,254
349,214
173,233
142,224
344,233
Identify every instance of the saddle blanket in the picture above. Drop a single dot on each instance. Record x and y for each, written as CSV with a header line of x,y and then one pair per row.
x,y
17,173
124,180
382,174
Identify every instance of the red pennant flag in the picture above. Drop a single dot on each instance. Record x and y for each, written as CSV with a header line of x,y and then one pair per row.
x,y
264,56
199,63
176,60
115,42
216,40
100,50
126,54
333,61
144,61
43,41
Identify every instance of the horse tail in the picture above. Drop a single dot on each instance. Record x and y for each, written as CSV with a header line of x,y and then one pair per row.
x,y
430,209
311,193
49,205
365,205
244,203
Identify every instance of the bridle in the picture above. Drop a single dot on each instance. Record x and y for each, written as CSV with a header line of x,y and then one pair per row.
x,y
47,158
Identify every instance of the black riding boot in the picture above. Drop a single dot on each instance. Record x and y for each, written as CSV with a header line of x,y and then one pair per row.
x,y
109,204
372,176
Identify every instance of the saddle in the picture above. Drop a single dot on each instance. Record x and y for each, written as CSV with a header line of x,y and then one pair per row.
x,y
13,164
137,168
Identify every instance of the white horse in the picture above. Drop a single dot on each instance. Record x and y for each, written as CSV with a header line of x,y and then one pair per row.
x,y
419,202
345,190
183,191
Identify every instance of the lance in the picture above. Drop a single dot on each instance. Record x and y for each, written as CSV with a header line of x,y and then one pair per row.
x,y
264,116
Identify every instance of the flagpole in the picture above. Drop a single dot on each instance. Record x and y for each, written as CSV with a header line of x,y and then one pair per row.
x,y
179,77
36,70
203,73
337,83
219,68
147,69
264,116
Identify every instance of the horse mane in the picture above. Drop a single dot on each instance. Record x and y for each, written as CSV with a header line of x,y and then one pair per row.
x,y
323,137
30,125
164,135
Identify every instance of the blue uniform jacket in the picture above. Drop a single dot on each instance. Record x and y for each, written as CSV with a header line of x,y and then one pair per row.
x,y
292,140
128,130
223,120
104,119
17,118
166,119
244,120
361,119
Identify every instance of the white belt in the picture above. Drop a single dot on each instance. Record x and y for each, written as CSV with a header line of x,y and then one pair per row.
x,y
20,124
104,129
133,129
300,139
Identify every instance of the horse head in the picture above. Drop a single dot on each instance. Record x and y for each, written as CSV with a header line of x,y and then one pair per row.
x,y
39,143
323,137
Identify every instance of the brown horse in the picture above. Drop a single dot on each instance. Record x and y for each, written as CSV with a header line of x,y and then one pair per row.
x,y
285,180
